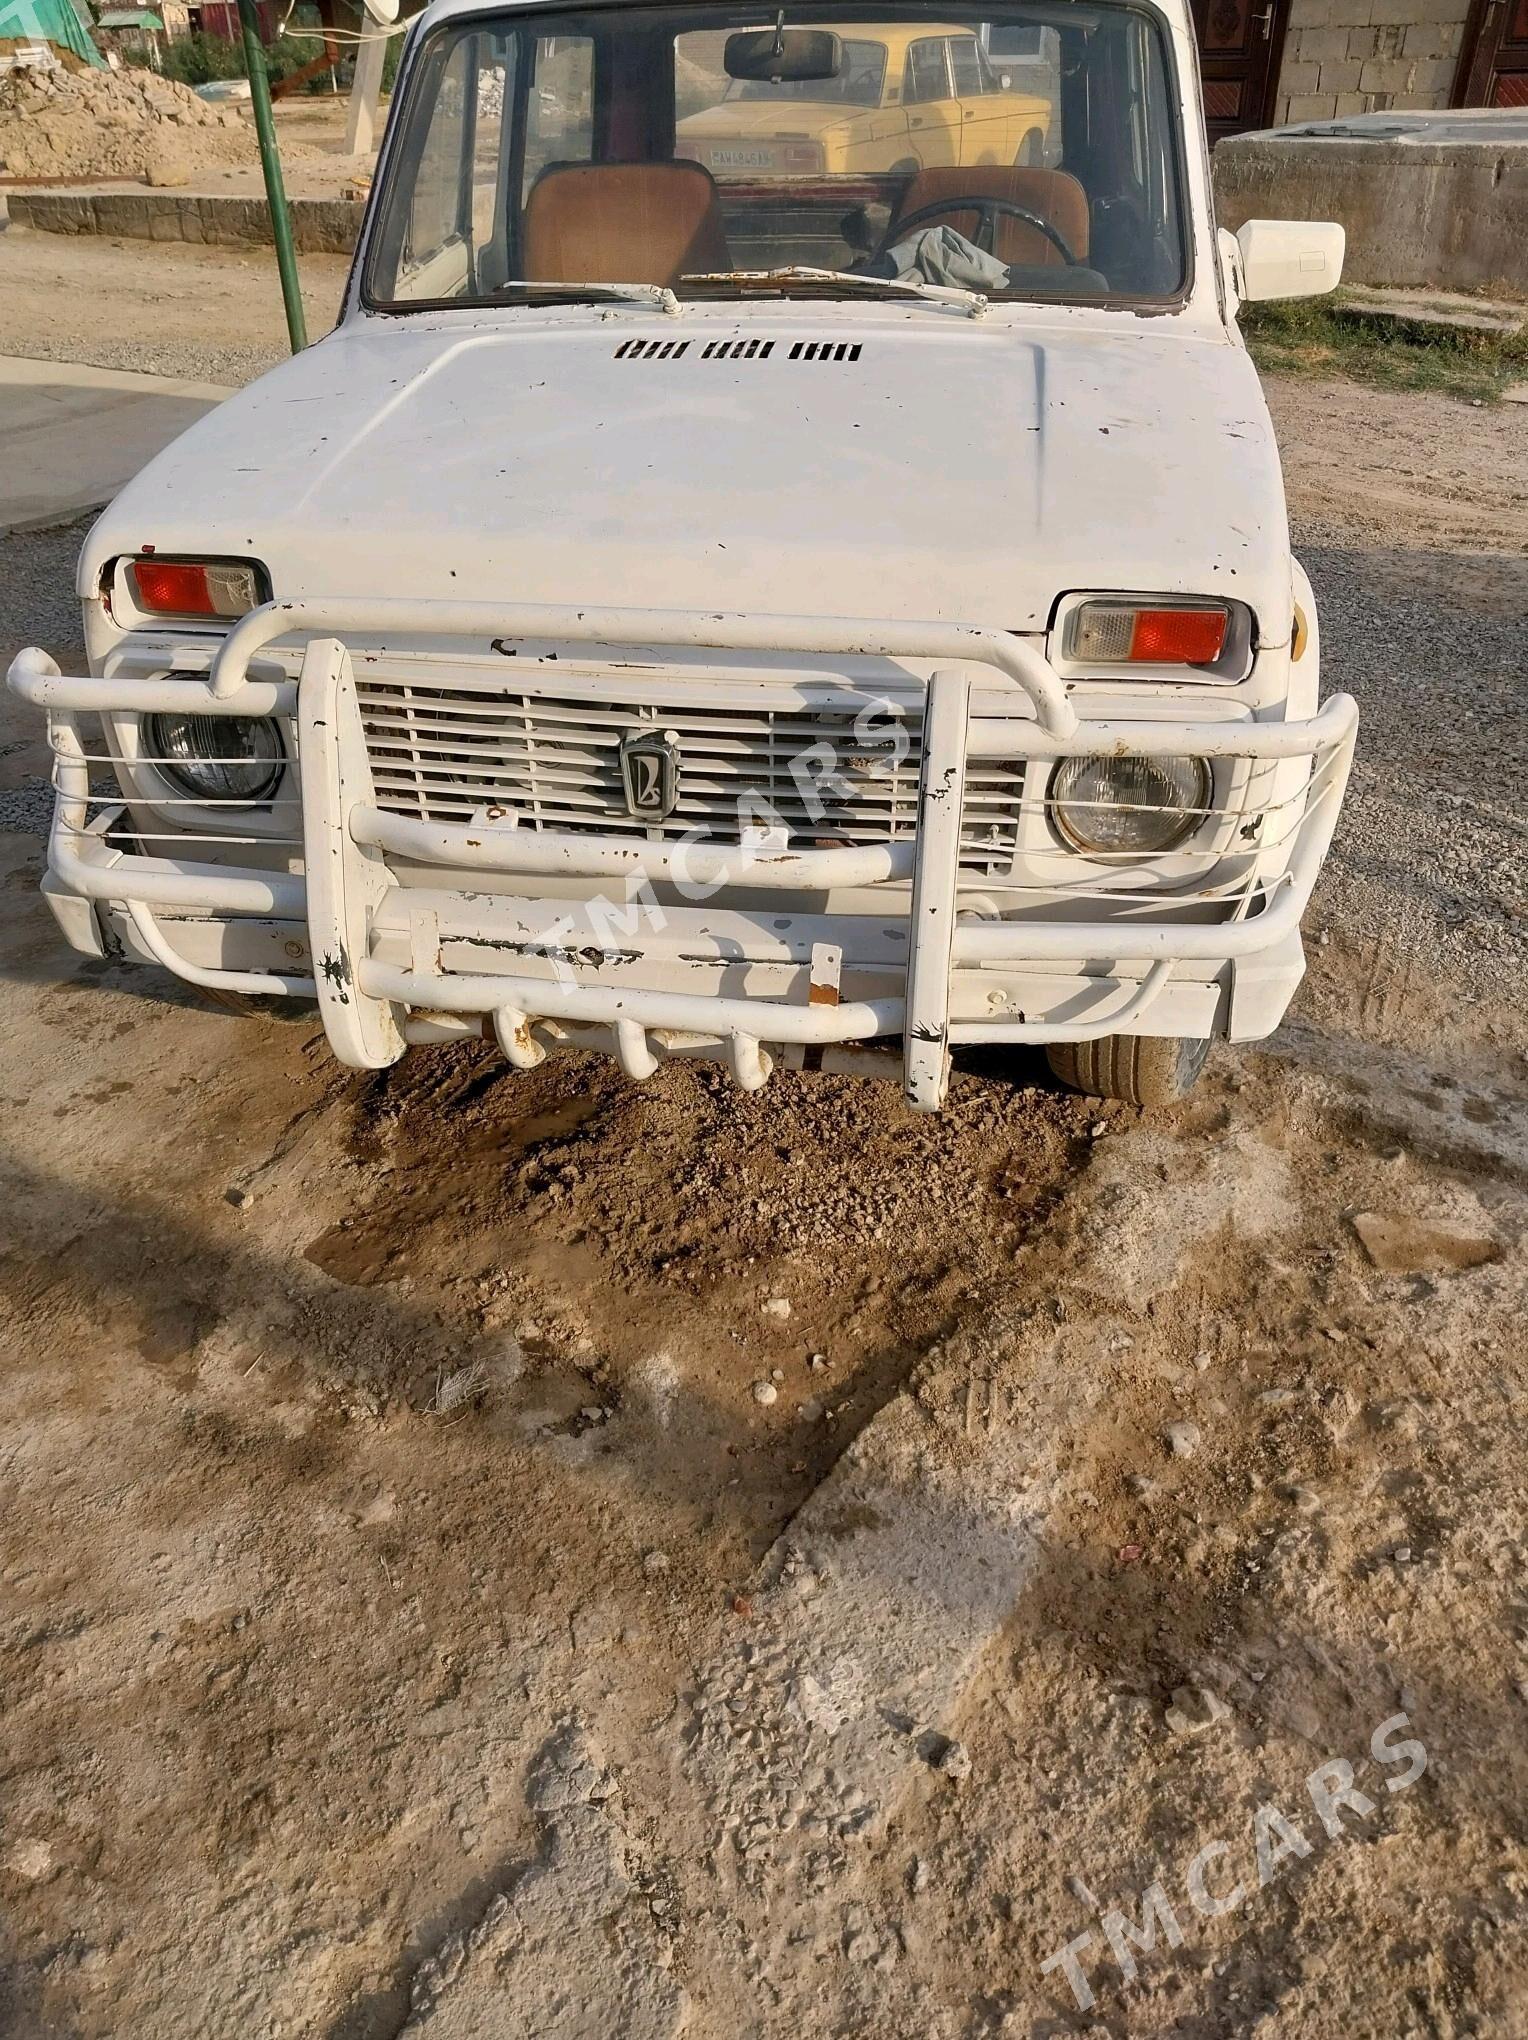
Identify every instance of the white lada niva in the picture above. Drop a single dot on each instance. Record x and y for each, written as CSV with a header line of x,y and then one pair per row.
x,y
812,607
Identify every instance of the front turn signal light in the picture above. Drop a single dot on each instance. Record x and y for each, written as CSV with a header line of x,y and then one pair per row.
x,y
1134,633
214,588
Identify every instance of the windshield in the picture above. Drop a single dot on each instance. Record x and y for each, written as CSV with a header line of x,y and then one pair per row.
x,y
1029,152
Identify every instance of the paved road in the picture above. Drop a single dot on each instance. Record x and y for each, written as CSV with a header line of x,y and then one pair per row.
x,y
71,435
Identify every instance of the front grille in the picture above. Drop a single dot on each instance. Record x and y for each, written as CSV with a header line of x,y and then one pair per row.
x,y
456,755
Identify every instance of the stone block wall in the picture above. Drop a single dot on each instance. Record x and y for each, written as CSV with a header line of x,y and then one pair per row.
x,y
1368,56
320,226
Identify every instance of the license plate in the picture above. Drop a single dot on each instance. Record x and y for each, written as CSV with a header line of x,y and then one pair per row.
x,y
741,159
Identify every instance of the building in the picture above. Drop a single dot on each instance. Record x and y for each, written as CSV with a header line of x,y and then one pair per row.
x,y
1270,62
221,18
135,34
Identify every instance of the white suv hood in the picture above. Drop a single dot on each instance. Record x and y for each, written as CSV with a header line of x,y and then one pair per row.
x,y
956,471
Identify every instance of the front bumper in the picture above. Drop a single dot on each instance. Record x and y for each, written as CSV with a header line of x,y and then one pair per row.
x,y
656,947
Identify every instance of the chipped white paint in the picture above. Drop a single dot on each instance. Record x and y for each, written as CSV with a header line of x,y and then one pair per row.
x,y
431,518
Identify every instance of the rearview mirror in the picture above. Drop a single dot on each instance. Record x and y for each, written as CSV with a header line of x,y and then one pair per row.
x,y
1290,258
780,56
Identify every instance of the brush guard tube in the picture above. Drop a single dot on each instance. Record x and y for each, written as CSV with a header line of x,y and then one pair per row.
x,y
347,842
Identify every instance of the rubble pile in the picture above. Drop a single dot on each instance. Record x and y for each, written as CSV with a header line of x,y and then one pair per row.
x,y
75,125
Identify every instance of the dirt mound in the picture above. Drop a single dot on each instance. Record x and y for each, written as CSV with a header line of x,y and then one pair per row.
x,y
120,124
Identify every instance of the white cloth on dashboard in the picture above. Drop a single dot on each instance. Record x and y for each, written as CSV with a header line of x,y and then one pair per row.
x,y
940,255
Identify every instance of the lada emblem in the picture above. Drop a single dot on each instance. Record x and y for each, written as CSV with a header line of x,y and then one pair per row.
x,y
650,774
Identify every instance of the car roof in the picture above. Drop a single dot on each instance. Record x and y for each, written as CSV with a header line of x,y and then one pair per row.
x,y
895,33
1175,11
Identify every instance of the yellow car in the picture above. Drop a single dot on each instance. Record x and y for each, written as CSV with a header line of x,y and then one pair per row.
x,y
909,96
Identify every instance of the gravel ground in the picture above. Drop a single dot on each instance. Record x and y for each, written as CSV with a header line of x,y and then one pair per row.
x,y
1429,860
37,606
1405,468
37,599
202,314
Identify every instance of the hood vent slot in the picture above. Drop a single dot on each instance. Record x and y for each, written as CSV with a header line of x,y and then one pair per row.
x,y
650,350
738,350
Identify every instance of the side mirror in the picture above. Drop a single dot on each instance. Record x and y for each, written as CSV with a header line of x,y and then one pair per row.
x,y
1289,258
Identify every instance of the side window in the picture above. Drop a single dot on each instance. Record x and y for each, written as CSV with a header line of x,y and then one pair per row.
x,y
454,215
864,68
434,222
559,113
926,75
965,61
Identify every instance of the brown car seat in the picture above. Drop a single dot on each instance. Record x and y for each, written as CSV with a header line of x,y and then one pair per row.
x,y
1054,194
623,223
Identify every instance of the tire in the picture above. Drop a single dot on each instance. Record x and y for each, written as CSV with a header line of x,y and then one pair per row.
x,y
1031,151
1140,1069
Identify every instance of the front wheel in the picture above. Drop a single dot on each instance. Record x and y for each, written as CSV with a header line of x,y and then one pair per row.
x,y
1140,1069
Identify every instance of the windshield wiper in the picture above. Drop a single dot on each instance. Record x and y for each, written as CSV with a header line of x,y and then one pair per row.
x,y
843,279
593,293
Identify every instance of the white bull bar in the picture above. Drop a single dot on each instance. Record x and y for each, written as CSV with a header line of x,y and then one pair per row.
x,y
347,838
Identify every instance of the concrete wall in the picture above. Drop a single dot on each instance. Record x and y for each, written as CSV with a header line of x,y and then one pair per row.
x,y
320,226
1368,56
1440,210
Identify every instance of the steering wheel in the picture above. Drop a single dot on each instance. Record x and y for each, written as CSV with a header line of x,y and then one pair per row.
x,y
988,212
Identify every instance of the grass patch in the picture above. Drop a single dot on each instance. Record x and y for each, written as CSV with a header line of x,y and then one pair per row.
x,y
1323,337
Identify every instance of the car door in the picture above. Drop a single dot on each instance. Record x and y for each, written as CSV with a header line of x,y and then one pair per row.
x,y
997,123
875,133
933,122
979,116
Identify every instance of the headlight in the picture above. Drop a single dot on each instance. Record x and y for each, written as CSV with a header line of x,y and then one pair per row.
x,y
216,757
1128,804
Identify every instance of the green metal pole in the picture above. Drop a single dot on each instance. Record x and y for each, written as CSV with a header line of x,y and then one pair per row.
x,y
270,163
